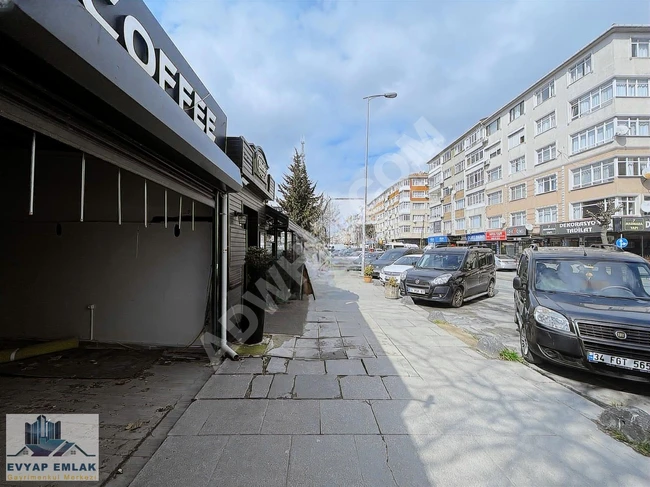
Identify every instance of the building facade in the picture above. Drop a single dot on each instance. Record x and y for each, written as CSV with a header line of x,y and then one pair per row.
x,y
400,213
539,166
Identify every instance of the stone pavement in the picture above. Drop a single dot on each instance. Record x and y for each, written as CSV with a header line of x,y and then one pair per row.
x,y
373,394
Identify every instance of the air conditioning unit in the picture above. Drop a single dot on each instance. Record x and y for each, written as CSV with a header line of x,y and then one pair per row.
x,y
622,130
487,163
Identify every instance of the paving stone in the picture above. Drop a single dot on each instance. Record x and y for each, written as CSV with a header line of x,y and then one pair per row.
x,y
291,417
251,365
345,367
261,386
307,353
355,341
386,350
331,332
402,418
282,386
182,461
374,461
317,387
305,367
359,352
347,417
407,388
324,461
281,352
330,342
253,460
363,387
277,365
235,416
225,386
310,333
229,367
193,419
389,366
332,354
306,343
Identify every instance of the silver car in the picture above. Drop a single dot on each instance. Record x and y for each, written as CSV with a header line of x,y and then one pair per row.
x,y
505,263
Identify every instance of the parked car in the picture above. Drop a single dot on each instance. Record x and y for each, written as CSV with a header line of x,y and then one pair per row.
x,y
395,270
451,275
356,263
586,308
505,262
391,256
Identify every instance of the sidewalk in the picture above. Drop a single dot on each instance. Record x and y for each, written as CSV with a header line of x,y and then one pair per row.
x,y
373,394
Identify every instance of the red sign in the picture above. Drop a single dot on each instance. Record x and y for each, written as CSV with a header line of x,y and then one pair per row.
x,y
493,235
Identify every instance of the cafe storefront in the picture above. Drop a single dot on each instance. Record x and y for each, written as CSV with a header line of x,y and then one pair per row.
x,y
516,239
570,234
636,230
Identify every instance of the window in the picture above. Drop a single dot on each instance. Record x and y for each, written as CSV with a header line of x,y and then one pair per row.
x,y
495,198
419,182
405,206
405,218
435,163
493,127
494,222
646,199
494,174
593,174
446,191
545,93
419,206
633,166
436,211
446,227
545,123
518,192
460,224
592,101
418,194
516,139
475,179
580,69
580,211
547,214
458,148
517,218
447,173
437,227
517,111
474,158
459,167
627,204
436,179
632,87
405,229
459,185
546,154
460,204
592,137
472,139
446,156
637,126
475,221
418,218
546,184
640,48
518,165
446,208
495,153
475,199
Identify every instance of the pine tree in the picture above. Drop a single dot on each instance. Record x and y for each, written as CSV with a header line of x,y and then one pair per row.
x,y
298,195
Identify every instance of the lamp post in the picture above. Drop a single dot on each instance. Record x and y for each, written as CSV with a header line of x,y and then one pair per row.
x,y
365,184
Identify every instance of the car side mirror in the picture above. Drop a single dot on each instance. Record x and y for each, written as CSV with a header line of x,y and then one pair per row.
x,y
517,284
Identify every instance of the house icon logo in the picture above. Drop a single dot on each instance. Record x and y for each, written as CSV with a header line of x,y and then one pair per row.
x,y
43,439
54,448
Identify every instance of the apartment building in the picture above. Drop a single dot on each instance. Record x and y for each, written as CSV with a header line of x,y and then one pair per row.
x,y
400,213
539,166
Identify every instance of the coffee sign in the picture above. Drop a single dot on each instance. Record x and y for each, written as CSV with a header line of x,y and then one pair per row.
x,y
570,228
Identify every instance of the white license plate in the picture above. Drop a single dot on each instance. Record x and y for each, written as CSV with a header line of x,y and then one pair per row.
x,y
415,290
626,363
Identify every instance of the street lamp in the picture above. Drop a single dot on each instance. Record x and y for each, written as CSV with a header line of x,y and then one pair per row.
x,y
365,185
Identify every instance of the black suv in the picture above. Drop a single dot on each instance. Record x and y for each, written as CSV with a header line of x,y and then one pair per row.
x,y
451,275
389,257
585,307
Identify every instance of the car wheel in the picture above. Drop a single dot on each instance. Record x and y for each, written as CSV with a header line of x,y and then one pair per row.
x,y
490,290
457,299
525,346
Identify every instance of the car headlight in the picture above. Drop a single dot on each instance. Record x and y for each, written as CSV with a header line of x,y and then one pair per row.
x,y
551,319
442,279
402,276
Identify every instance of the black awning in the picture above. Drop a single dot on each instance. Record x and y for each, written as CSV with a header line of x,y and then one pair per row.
x,y
278,219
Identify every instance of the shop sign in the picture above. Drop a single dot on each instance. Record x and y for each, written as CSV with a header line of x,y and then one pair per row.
x,y
260,166
475,237
136,40
438,239
519,231
495,235
635,224
570,228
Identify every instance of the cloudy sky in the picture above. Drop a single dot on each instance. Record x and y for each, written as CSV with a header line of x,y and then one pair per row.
x,y
285,69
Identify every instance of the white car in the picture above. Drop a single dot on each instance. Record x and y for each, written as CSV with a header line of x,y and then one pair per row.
x,y
396,268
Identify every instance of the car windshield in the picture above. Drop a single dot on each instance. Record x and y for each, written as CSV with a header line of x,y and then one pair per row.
x,y
441,261
392,255
407,260
613,279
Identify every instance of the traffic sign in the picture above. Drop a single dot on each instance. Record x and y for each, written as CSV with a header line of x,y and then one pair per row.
x,y
621,243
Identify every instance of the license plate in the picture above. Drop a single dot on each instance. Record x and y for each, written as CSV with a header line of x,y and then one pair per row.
x,y
626,363
415,290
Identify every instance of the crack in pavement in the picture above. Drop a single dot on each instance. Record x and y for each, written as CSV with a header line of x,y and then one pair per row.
x,y
388,460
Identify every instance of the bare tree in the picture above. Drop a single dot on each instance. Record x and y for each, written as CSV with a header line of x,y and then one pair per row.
x,y
603,217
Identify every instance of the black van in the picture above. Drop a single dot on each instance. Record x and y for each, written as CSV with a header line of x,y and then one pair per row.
x,y
451,275
585,307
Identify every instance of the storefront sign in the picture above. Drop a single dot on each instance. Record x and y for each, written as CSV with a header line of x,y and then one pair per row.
x,y
570,228
519,231
135,38
439,239
633,224
495,235
475,237
260,166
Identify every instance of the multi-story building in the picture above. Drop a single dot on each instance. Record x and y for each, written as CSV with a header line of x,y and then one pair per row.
x,y
400,213
539,166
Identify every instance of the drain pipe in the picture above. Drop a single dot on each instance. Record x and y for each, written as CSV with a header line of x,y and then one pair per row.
x,y
224,277
91,307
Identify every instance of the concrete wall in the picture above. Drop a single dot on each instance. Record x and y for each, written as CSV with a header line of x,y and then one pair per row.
x,y
148,286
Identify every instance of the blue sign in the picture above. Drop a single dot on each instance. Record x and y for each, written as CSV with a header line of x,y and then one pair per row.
x,y
439,239
621,243
475,237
